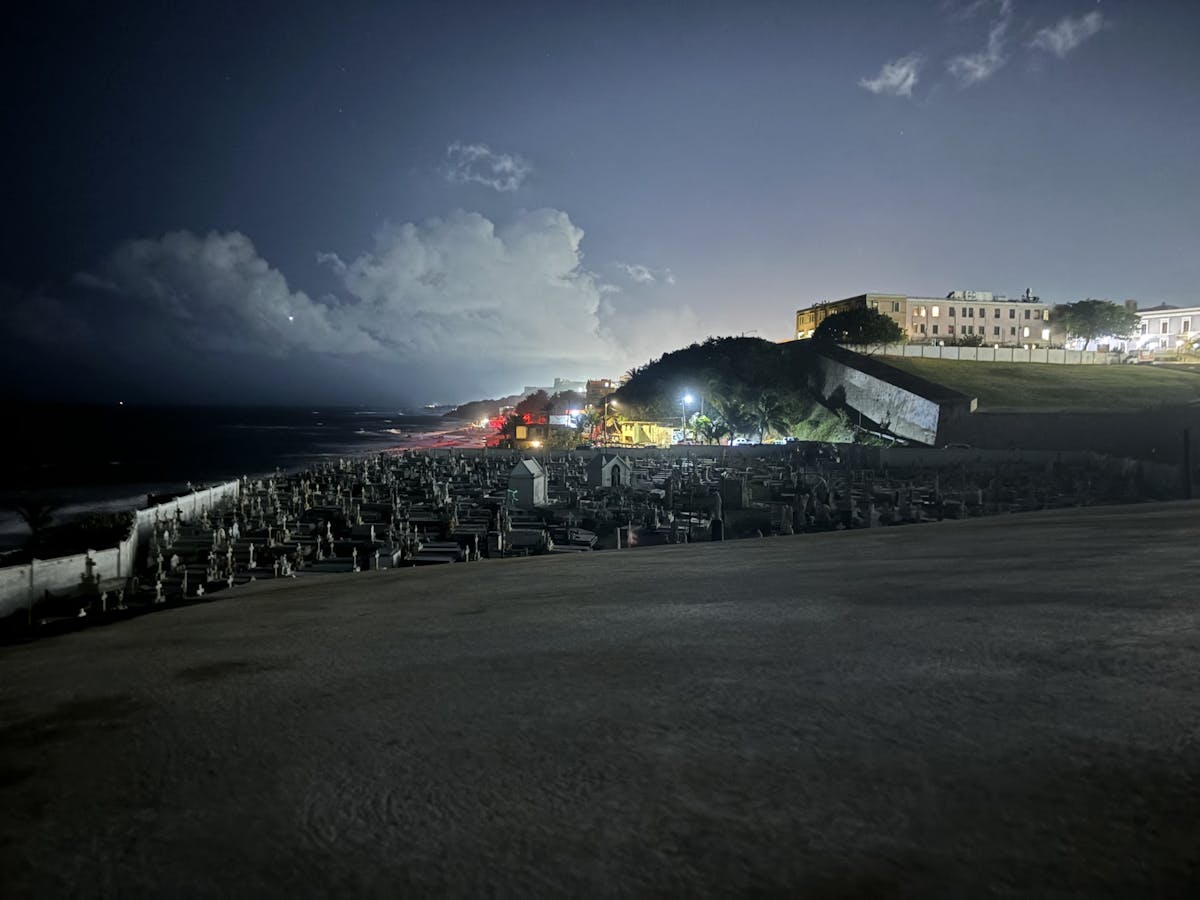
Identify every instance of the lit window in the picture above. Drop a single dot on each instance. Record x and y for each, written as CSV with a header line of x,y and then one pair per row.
x,y
935,311
1045,334
1025,332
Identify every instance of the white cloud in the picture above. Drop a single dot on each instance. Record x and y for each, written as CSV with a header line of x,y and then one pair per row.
x,y
897,77
640,274
215,292
972,68
460,300
1068,34
462,286
480,164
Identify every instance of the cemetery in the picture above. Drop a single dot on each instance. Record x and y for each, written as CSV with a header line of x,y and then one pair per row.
x,y
432,508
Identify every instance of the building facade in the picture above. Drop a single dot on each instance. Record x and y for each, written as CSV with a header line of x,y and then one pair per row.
x,y
1166,327
992,318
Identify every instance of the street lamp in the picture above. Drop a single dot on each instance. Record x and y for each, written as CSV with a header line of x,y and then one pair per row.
x,y
684,402
608,401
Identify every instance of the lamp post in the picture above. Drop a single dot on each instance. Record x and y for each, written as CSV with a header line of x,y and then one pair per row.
x,y
684,402
604,423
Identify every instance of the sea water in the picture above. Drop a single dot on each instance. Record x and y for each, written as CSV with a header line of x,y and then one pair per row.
x,y
87,458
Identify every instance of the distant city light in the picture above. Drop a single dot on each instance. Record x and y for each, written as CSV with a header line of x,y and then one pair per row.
x,y
291,318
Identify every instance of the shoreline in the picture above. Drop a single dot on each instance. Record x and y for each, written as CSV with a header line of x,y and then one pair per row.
x,y
81,499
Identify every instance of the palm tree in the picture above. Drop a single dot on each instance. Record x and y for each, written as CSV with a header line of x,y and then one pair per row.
x,y
732,415
769,412
37,513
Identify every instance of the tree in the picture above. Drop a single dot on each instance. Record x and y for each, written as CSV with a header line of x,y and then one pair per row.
x,y
708,429
859,326
732,416
1090,319
586,422
769,412
535,404
509,428
37,513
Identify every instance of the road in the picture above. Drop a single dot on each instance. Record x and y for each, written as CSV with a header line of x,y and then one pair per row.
x,y
1003,706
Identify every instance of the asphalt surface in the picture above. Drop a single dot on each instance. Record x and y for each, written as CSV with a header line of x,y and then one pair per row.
x,y
1007,706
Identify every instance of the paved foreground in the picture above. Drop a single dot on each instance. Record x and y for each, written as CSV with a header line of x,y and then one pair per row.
x,y
1006,706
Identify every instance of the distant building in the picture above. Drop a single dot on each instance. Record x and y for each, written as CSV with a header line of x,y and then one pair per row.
x,y
560,385
994,318
598,389
1166,327
634,433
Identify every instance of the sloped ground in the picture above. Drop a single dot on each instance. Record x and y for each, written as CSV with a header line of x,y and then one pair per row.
x,y
1006,706
1036,386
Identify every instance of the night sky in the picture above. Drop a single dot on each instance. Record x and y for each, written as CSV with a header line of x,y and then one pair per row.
x,y
403,202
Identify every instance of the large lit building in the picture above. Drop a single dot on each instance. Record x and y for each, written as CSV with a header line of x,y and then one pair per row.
x,y
1166,327
994,318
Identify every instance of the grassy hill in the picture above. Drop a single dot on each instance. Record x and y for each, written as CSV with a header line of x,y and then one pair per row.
x,y
1033,386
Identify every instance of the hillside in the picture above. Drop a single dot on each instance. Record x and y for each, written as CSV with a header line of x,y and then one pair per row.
x,y
1034,386
740,387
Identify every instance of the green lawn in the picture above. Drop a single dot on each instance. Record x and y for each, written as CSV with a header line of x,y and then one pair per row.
x,y
1040,386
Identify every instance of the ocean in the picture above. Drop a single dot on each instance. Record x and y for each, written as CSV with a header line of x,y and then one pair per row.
x,y
110,457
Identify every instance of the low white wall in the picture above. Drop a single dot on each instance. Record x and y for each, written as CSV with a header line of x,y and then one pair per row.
x,y
21,586
993,354
14,588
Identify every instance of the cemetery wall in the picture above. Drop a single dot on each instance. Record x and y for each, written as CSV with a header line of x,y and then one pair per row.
x,y
20,586
995,354
14,589
188,505
1153,434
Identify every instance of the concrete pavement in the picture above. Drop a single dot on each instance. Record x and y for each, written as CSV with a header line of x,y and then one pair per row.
x,y
1001,706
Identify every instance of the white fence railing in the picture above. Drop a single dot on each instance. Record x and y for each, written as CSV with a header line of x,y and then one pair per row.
x,y
993,354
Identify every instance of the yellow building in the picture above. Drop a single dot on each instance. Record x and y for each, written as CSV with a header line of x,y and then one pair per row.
x,y
639,434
